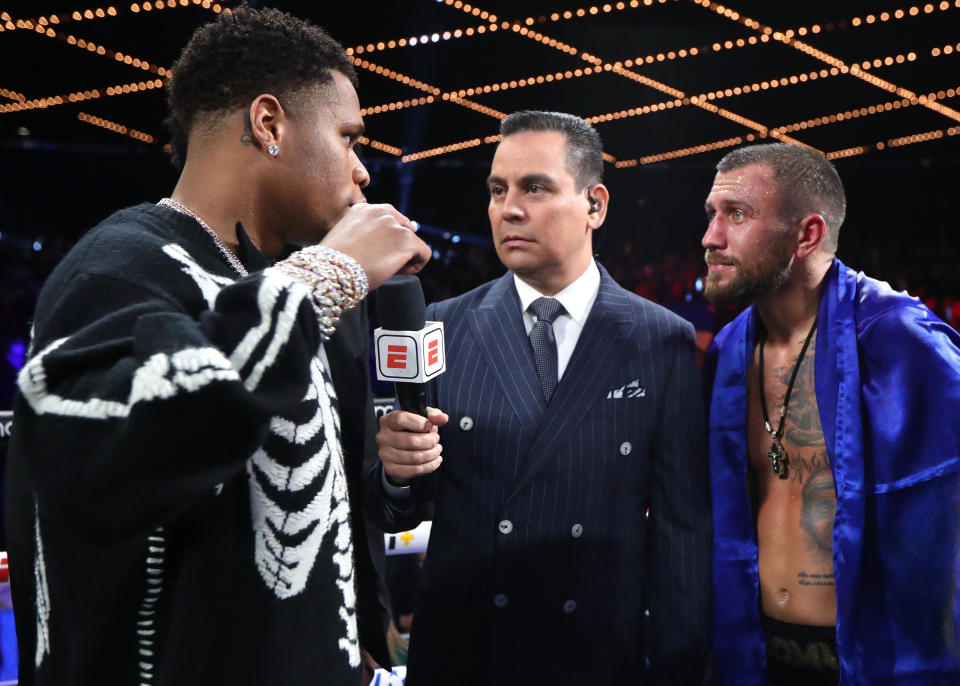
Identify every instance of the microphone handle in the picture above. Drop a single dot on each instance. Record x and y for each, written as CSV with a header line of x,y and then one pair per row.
x,y
413,398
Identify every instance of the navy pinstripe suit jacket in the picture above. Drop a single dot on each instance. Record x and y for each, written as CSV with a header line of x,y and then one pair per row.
x,y
542,560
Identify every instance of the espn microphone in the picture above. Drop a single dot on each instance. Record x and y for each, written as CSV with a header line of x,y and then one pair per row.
x,y
410,353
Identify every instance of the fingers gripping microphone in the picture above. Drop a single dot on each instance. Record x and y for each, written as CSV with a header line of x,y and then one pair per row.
x,y
409,352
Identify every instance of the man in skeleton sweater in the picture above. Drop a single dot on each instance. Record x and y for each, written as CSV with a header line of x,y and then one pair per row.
x,y
178,507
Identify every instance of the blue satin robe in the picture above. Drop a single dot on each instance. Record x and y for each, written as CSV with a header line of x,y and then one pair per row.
x,y
887,376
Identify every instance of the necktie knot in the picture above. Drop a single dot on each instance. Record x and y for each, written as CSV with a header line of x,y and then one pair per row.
x,y
546,309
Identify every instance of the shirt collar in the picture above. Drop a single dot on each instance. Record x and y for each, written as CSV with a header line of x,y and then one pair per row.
x,y
576,298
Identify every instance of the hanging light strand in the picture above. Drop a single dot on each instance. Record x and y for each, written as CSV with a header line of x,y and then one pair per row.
x,y
782,82
424,39
422,86
116,55
80,96
569,49
391,149
720,93
652,83
683,152
492,24
924,137
854,70
471,143
860,112
444,149
13,95
115,127
8,23
817,121
676,53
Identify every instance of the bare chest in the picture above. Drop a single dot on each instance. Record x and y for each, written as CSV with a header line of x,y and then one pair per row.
x,y
794,510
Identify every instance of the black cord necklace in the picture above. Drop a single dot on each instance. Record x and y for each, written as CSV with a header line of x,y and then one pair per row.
x,y
776,455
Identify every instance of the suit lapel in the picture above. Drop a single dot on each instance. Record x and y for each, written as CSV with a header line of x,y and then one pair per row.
x,y
597,363
497,324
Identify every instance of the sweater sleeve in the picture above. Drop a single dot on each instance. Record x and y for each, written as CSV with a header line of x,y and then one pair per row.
x,y
136,403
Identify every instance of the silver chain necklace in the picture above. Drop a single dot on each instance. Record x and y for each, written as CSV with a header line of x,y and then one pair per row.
x,y
228,255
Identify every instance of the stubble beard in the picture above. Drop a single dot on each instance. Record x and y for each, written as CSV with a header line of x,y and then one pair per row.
x,y
767,274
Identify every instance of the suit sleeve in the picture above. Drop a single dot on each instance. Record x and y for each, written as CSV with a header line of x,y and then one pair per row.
x,y
679,551
132,409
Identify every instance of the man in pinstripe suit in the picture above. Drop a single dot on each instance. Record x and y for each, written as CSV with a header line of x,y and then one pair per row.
x,y
571,524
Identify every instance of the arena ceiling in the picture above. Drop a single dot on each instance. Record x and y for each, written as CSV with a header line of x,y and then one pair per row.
x,y
662,80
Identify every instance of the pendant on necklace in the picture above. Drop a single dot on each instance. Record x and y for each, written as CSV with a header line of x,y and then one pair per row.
x,y
778,459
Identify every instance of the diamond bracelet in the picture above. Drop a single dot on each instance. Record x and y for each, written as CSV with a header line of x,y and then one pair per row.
x,y
336,282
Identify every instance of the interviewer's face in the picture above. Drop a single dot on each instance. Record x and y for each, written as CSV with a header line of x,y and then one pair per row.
x,y
321,176
749,252
538,216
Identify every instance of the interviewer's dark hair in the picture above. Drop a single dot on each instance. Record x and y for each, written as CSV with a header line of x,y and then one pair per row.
x,y
807,183
244,53
584,154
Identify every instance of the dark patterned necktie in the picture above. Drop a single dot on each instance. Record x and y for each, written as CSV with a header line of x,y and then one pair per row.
x,y
544,343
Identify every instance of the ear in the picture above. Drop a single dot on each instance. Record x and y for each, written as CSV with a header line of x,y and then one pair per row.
x,y
268,121
813,231
601,196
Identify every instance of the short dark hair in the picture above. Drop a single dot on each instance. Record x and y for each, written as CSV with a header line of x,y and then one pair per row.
x,y
807,182
584,154
246,52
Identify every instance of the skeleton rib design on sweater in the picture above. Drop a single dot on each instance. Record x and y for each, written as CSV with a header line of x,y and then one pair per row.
x,y
177,504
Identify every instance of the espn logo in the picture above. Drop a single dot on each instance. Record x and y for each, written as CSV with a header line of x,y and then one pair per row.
x,y
410,356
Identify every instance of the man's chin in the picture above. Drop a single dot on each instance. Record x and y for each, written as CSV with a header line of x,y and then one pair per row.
x,y
721,294
514,260
721,297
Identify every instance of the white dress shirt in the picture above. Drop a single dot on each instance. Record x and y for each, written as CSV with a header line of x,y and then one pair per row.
x,y
577,299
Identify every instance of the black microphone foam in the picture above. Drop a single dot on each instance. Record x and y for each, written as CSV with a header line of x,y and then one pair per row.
x,y
400,304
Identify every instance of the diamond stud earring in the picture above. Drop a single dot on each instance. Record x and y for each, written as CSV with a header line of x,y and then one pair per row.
x,y
274,150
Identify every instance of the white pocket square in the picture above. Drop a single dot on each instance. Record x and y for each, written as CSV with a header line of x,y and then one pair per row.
x,y
630,390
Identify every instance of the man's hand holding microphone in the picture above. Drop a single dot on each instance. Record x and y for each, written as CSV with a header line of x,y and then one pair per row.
x,y
410,444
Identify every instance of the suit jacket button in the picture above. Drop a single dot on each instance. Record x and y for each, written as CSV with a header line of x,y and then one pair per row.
x,y
506,526
577,530
569,606
466,423
501,600
626,448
